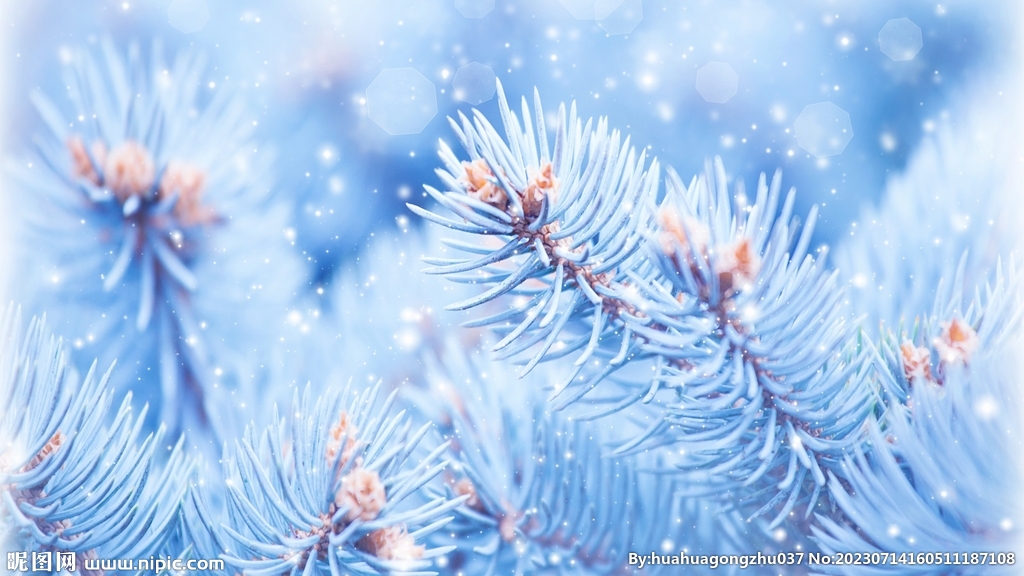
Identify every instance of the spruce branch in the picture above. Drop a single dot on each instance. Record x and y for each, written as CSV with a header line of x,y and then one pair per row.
x,y
772,381
739,318
541,496
567,221
137,200
68,480
327,490
939,472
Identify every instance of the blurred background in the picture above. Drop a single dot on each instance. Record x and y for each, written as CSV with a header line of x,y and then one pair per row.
x,y
353,96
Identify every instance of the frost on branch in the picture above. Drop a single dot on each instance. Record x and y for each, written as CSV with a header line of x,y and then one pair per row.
x,y
299,502
941,470
569,224
144,205
950,200
748,329
741,321
71,478
538,494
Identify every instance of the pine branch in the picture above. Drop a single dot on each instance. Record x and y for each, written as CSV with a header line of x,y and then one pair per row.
x,y
540,494
939,473
950,199
68,481
328,490
130,196
566,215
739,319
773,382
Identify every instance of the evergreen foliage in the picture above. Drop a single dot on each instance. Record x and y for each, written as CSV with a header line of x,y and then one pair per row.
x,y
643,369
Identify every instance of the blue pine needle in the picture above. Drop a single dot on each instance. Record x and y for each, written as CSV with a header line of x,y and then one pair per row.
x,y
75,475
692,372
539,495
145,206
329,489
940,473
725,298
